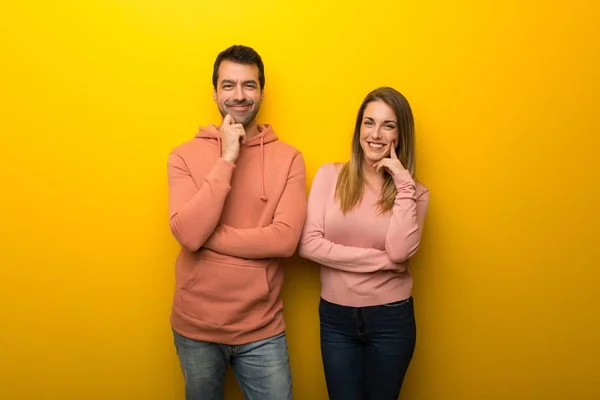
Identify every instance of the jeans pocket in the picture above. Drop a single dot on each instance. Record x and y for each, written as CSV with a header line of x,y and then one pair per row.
x,y
334,315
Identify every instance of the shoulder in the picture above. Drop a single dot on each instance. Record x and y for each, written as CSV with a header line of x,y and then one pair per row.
x,y
286,150
325,179
329,171
326,176
194,155
332,168
287,157
188,147
179,153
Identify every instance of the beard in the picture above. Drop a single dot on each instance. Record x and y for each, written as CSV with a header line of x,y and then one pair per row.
x,y
241,118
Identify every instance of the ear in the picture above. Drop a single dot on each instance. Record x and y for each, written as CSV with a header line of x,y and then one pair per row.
x,y
215,95
262,96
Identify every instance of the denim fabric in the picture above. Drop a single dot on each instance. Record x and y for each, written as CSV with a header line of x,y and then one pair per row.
x,y
366,351
261,368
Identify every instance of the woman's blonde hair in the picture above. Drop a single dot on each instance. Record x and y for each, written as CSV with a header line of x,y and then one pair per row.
x,y
351,180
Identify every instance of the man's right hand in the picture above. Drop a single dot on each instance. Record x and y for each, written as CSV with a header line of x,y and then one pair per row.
x,y
231,135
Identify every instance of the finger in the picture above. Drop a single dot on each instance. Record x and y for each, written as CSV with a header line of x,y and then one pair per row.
x,y
393,154
228,120
239,129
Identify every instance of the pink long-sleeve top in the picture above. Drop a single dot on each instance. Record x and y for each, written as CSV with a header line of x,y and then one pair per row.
x,y
363,254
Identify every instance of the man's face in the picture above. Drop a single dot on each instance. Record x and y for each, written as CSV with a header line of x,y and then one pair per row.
x,y
238,91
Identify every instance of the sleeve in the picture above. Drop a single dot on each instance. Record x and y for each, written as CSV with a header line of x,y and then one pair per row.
x,y
314,246
408,217
280,238
195,211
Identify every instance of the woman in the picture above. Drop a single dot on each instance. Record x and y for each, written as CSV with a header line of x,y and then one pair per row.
x,y
364,222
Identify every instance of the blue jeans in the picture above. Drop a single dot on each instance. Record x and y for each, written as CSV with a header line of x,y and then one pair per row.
x,y
366,350
261,368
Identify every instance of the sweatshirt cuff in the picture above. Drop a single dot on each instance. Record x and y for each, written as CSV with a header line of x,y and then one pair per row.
x,y
403,179
223,171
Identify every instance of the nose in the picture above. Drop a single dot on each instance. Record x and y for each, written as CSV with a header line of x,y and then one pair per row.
x,y
238,94
376,133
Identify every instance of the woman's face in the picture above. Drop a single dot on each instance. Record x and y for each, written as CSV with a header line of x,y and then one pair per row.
x,y
378,131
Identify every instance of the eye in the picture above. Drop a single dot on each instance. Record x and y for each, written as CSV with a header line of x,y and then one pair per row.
x,y
227,86
390,126
368,122
251,86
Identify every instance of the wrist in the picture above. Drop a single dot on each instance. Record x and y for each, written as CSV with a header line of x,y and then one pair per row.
x,y
229,158
402,175
403,178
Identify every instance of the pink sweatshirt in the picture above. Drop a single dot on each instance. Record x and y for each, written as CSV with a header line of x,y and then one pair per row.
x,y
235,222
363,255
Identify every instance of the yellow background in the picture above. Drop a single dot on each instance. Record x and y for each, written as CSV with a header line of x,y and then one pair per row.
x,y
94,94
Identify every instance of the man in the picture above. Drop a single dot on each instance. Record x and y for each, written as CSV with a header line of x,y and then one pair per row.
x,y
237,204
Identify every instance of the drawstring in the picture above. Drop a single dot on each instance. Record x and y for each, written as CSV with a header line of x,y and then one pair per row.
x,y
263,197
219,143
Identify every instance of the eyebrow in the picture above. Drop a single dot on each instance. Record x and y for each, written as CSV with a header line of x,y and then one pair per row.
x,y
386,121
225,81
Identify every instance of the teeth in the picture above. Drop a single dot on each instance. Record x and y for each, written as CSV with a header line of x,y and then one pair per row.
x,y
376,145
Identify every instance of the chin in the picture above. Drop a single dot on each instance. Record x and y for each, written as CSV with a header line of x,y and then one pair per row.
x,y
371,160
239,119
374,157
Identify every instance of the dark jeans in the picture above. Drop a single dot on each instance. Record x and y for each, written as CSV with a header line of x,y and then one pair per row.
x,y
366,350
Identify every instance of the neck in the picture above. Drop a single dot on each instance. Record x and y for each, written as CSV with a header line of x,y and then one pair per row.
x,y
372,177
369,171
251,129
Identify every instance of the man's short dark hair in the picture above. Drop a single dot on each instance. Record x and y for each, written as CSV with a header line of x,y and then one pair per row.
x,y
241,55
